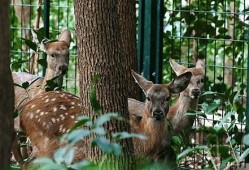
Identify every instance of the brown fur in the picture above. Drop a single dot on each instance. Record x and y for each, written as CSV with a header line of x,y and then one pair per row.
x,y
47,117
152,122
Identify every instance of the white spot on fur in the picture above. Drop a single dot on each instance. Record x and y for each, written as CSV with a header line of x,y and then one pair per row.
x,y
32,106
47,100
36,116
72,103
73,117
37,111
42,113
53,120
63,107
31,115
39,120
58,119
55,109
53,99
66,114
44,124
72,107
62,117
46,113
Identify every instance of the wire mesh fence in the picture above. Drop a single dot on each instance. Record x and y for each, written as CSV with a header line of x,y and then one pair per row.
x,y
213,29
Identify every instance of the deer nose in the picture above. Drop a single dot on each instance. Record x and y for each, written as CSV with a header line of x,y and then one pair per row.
x,y
158,114
196,93
63,69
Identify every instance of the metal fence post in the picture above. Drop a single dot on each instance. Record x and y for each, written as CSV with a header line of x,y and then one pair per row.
x,y
247,94
46,26
150,39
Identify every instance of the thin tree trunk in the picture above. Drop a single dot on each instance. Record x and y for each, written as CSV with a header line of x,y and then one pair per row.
x,y
6,89
106,45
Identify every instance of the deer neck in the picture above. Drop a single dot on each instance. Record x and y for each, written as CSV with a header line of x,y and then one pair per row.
x,y
177,112
156,131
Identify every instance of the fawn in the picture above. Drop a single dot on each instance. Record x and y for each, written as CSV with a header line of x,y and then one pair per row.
x,y
57,64
153,122
189,98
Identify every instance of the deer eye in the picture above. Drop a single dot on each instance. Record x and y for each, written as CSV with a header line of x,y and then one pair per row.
x,y
202,80
53,55
148,98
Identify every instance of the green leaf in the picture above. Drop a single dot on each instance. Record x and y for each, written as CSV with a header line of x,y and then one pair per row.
x,y
99,131
246,139
25,85
223,120
188,151
209,93
82,164
69,156
76,135
244,155
30,44
177,140
42,62
82,120
125,135
105,118
40,34
225,162
59,155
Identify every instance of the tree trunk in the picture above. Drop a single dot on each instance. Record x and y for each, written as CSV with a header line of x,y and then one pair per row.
x,y
6,89
106,41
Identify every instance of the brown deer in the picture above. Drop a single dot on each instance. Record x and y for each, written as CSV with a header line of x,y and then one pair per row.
x,y
189,98
152,122
57,64
49,115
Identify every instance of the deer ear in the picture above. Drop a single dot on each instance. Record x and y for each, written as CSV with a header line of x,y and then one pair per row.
x,y
141,81
41,45
200,64
178,69
180,83
65,36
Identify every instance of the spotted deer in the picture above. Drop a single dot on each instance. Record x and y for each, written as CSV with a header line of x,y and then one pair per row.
x,y
153,122
57,65
188,99
50,114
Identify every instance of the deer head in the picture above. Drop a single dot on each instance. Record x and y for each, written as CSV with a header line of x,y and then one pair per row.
x,y
57,52
158,95
197,80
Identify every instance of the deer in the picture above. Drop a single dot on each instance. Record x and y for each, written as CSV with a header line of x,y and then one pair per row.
x,y
57,65
153,121
51,114
189,98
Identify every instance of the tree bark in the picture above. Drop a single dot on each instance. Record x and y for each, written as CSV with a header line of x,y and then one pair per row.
x,y
6,89
106,38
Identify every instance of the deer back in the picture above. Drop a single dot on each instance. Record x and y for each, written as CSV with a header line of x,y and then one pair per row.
x,y
46,117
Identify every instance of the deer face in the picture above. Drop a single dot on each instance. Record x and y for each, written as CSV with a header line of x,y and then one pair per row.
x,y
57,57
57,52
197,80
158,95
